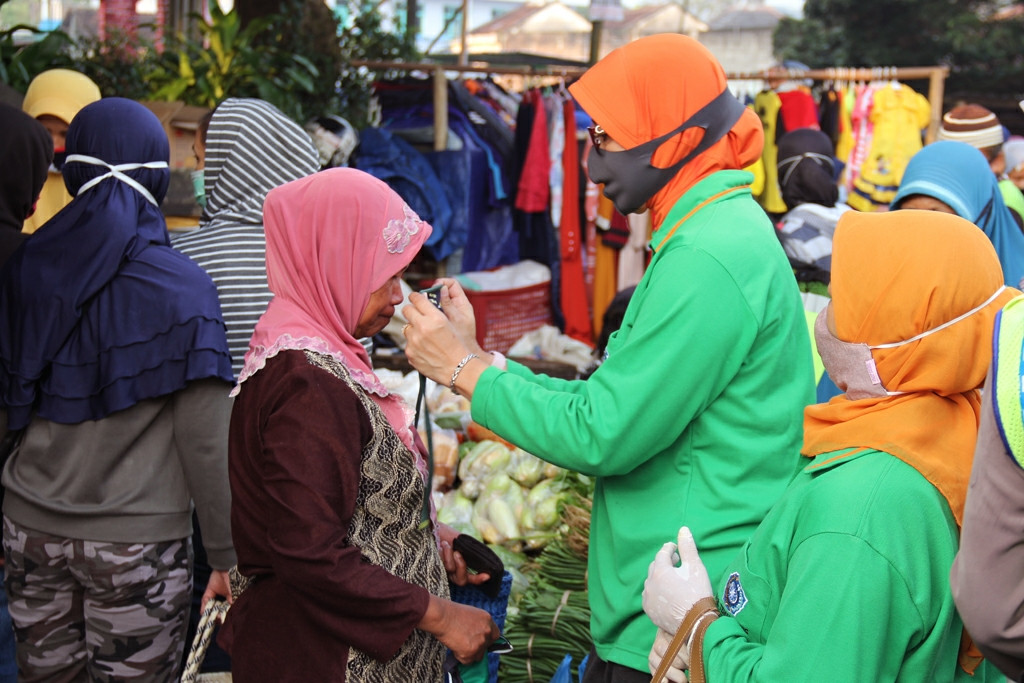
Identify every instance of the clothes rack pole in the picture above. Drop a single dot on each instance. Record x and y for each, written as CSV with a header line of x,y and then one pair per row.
x,y
440,82
935,75
440,109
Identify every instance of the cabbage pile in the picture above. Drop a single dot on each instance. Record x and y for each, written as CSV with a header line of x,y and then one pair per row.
x,y
508,497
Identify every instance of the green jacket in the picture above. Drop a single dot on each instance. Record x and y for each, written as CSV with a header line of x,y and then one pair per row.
x,y
1012,196
694,418
847,579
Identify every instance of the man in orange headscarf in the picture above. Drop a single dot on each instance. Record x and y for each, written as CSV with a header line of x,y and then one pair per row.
x,y
847,578
694,416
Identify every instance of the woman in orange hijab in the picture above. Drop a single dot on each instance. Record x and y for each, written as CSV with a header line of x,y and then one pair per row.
x,y
847,578
694,415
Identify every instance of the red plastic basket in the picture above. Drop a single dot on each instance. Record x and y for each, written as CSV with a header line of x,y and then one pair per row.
x,y
505,315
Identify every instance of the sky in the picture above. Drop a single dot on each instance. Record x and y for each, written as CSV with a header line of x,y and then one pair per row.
x,y
794,8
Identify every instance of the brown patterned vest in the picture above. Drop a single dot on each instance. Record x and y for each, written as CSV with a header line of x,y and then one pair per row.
x,y
386,528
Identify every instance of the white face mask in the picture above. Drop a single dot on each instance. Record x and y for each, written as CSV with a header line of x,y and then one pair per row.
x,y
851,365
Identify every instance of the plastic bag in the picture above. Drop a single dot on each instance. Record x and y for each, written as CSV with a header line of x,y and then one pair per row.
x,y
563,674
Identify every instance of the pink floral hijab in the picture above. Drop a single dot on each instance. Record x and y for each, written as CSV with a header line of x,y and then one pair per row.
x,y
333,238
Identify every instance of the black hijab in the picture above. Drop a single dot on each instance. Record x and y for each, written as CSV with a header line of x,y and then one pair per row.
x,y
26,149
807,169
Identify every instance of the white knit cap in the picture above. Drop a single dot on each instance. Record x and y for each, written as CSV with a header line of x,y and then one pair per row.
x,y
973,124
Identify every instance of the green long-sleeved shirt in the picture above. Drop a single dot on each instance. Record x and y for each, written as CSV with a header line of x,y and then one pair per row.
x,y
694,418
847,579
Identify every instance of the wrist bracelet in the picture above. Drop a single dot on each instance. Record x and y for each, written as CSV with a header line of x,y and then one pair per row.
x,y
458,369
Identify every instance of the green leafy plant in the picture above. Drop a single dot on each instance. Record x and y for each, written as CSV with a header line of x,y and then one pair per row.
x,y
21,62
364,38
298,59
121,65
227,62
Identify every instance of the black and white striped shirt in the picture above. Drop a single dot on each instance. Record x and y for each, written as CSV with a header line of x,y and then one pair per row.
x,y
251,148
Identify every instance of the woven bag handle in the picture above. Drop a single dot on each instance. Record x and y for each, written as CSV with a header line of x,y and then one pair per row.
x,y
215,612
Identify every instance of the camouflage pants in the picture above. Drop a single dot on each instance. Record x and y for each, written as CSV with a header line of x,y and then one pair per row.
x,y
92,611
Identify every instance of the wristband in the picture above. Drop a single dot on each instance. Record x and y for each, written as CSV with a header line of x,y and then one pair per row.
x,y
458,369
499,361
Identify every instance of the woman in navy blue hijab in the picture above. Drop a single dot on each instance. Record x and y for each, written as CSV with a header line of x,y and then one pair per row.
x,y
115,371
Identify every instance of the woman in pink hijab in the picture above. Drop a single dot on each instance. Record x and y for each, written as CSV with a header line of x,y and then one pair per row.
x,y
328,482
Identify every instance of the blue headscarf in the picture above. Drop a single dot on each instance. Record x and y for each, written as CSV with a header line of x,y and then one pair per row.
x,y
959,175
97,311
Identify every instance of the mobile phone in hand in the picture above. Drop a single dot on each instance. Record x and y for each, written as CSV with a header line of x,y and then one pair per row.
x,y
434,294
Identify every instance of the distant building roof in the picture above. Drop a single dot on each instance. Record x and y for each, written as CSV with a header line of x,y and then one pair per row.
x,y
1009,12
636,15
509,19
757,17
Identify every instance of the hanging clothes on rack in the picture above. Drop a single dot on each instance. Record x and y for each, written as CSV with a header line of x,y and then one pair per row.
x,y
863,127
531,214
828,113
898,116
844,143
768,104
797,110
606,257
572,250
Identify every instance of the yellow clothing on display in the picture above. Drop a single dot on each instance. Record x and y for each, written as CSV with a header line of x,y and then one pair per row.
x,y
605,265
757,168
899,115
844,145
52,199
767,105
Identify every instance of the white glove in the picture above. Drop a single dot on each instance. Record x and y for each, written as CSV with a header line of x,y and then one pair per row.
x,y
670,591
679,664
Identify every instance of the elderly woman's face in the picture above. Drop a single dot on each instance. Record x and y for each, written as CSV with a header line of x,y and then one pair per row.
x,y
381,307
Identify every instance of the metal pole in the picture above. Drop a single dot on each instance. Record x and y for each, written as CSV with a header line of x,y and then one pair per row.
x,y
936,89
412,24
464,50
595,40
440,109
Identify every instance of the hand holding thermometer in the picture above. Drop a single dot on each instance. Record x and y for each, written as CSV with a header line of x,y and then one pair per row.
x,y
434,294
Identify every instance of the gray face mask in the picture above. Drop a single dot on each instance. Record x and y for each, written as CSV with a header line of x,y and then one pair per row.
x,y
851,365
628,176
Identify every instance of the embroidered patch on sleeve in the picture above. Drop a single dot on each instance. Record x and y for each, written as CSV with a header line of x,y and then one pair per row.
x,y
735,598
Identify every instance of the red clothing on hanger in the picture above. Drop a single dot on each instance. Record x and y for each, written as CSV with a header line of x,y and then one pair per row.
x,y
534,189
798,110
574,288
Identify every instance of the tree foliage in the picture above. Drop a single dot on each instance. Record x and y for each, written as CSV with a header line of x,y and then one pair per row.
x,y
297,58
982,53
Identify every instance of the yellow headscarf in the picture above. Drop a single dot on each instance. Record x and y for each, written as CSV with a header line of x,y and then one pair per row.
x,y
894,276
59,92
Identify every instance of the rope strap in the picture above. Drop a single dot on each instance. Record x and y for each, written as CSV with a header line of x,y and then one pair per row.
x,y
215,612
563,603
